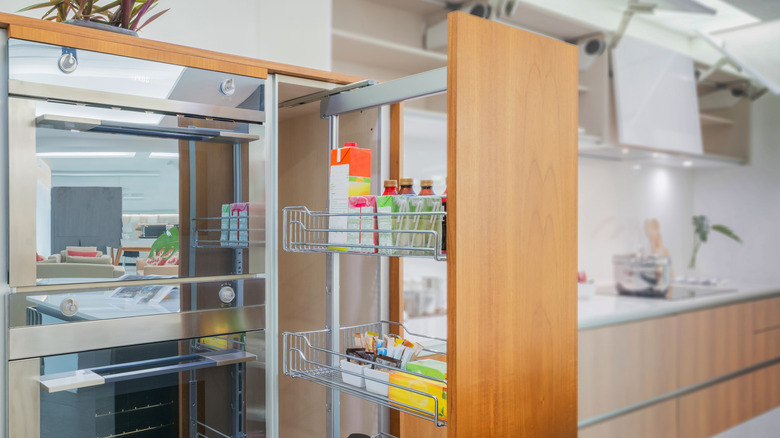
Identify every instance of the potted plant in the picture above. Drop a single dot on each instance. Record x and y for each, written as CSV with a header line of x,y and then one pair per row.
x,y
125,16
701,231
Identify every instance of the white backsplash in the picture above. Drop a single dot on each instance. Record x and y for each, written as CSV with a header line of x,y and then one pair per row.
x,y
616,198
746,199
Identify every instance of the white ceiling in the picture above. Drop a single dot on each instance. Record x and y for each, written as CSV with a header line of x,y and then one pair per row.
x,y
766,10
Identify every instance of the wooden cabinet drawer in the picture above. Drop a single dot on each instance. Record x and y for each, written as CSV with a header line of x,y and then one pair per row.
x,y
714,409
766,314
767,344
766,389
714,342
625,364
657,421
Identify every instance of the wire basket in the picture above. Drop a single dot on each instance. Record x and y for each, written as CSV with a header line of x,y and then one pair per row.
x,y
308,357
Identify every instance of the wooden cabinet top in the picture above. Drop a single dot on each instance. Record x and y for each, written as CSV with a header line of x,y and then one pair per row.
x,y
78,37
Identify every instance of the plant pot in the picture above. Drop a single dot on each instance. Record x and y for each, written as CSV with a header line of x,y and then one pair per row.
x,y
102,26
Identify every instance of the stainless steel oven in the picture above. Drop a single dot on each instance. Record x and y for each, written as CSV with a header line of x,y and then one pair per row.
x,y
141,248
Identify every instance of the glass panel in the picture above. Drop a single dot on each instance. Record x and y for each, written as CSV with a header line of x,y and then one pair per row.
x,y
166,389
105,197
57,307
425,281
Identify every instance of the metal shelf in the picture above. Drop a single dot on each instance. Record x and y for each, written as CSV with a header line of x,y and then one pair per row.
x,y
309,231
307,357
199,240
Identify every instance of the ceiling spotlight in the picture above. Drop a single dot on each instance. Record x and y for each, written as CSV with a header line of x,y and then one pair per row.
x,y
688,163
68,61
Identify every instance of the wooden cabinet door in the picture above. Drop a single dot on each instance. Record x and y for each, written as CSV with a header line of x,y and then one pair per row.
x,y
766,389
511,232
626,364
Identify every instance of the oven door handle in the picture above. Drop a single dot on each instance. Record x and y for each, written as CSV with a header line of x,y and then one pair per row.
x,y
141,369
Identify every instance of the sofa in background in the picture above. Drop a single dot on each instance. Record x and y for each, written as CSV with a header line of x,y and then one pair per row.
x,y
63,266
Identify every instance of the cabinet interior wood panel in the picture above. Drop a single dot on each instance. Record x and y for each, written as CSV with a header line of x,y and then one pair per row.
x,y
714,409
714,342
766,314
512,213
626,364
766,389
657,421
303,154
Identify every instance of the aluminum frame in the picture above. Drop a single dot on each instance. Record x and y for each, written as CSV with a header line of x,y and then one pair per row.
x,y
423,84
55,339
129,102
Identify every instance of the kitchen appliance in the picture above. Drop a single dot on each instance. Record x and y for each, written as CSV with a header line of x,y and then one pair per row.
x,y
136,356
642,275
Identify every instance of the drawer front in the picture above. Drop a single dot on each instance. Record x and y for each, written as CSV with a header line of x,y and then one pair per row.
x,y
626,364
717,408
766,389
652,422
767,314
714,342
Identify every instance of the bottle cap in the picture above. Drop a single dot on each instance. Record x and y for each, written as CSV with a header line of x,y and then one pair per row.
x,y
390,183
407,181
426,183
350,145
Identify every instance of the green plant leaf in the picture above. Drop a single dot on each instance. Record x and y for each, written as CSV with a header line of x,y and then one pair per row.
x,y
152,18
726,231
51,4
167,243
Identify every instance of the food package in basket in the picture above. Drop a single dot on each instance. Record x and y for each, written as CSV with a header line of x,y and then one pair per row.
x,y
417,401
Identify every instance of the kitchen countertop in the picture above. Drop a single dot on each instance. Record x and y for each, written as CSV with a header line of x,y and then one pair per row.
x,y
606,308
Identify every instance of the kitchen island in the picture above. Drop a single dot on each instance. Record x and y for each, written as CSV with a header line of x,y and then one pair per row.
x,y
692,367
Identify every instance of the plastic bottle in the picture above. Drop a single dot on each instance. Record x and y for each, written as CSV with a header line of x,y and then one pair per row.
x,y
426,188
406,187
390,188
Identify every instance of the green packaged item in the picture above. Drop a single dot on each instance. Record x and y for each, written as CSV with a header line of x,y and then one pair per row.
x,y
384,204
428,367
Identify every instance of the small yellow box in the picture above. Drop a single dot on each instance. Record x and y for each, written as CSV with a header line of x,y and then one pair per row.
x,y
423,403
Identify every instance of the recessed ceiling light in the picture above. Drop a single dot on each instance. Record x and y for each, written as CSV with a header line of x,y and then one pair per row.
x,y
688,163
624,151
167,155
86,154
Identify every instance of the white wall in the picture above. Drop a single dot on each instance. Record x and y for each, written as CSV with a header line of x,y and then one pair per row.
x,y
293,32
614,201
747,199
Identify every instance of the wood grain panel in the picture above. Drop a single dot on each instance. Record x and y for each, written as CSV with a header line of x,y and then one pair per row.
x,y
658,421
395,264
512,212
766,344
715,409
766,389
107,42
766,314
626,364
714,342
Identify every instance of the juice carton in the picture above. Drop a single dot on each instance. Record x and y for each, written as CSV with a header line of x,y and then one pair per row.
x,y
224,234
240,210
384,204
361,204
350,175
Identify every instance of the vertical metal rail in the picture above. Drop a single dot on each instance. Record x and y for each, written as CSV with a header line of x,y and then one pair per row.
x,y
332,301
193,378
271,258
5,290
237,391
193,229
193,404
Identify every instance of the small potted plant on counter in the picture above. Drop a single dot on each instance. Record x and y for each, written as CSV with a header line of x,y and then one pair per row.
x,y
701,231
124,16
